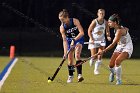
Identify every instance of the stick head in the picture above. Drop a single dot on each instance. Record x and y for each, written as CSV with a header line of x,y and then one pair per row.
x,y
49,79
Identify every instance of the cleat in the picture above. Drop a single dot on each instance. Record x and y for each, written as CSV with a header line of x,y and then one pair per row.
x,y
70,78
91,62
80,78
96,72
111,77
119,82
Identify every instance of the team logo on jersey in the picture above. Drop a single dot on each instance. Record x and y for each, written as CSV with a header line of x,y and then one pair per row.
x,y
71,30
123,40
100,31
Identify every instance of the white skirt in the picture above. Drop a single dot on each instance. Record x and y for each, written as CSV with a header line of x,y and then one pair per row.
x,y
127,48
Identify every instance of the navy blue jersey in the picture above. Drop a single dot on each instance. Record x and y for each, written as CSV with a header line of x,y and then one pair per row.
x,y
71,30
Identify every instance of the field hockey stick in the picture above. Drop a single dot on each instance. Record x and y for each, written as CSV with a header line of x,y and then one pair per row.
x,y
92,43
57,70
85,60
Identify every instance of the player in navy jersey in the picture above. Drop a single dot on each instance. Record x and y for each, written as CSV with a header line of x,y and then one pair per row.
x,y
72,35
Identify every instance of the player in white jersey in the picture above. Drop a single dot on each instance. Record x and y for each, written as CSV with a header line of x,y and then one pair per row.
x,y
123,50
96,33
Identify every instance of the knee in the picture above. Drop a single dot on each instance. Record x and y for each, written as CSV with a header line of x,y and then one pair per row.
x,y
118,62
111,65
99,57
77,56
70,62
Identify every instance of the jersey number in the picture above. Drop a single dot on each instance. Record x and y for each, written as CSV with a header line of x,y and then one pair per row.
x,y
73,34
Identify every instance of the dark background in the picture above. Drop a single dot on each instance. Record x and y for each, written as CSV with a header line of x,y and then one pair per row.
x,y
33,25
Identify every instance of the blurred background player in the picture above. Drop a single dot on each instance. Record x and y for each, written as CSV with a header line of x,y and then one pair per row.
x,y
72,34
123,50
96,32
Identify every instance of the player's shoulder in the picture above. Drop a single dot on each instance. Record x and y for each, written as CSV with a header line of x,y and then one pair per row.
x,y
75,19
61,26
105,21
124,27
94,21
119,31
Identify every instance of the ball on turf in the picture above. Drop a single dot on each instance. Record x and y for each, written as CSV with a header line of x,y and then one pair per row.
x,y
49,81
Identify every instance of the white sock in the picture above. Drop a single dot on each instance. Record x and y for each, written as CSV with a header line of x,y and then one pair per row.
x,y
92,59
79,76
118,72
97,64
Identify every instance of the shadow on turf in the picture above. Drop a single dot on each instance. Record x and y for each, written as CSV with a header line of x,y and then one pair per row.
x,y
26,61
129,84
132,84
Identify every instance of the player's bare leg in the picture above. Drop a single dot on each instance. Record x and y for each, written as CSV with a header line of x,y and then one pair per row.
x,y
98,62
93,52
112,66
70,66
78,50
118,68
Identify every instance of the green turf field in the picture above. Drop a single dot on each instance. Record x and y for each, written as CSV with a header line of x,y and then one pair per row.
x,y
30,75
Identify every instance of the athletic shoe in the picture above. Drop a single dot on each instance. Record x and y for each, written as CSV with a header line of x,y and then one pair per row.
x,y
119,82
111,77
70,78
96,72
91,61
80,78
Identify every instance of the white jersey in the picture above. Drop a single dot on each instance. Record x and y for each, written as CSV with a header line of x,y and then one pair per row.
x,y
125,44
99,31
124,40
98,34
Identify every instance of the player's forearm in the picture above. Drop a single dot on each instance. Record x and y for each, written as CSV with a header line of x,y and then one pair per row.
x,y
65,46
107,31
90,35
81,34
108,34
